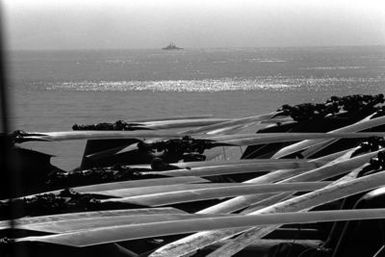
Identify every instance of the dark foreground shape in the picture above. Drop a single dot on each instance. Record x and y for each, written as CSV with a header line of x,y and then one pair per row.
x,y
31,168
362,238
48,250
102,153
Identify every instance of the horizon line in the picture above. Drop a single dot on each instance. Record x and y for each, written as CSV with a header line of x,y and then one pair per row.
x,y
189,48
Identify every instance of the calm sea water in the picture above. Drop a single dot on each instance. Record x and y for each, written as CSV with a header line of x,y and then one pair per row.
x,y
52,90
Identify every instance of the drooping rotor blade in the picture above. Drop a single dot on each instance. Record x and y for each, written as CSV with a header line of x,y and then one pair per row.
x,y
135,184
230,123
366,123
121,233
189,117
231,140
240,168
192,195
268,138
92,214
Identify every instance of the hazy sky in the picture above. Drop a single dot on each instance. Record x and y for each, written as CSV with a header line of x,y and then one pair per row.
x,y
93,24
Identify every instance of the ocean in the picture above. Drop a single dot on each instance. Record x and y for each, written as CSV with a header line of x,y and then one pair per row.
x,y
52,90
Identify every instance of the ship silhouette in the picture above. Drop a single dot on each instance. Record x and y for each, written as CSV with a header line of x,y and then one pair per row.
x,y
172,46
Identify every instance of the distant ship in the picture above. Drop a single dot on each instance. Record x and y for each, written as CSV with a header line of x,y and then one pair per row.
x,y
172,46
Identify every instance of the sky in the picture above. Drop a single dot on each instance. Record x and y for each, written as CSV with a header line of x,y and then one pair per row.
x,y
122,24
